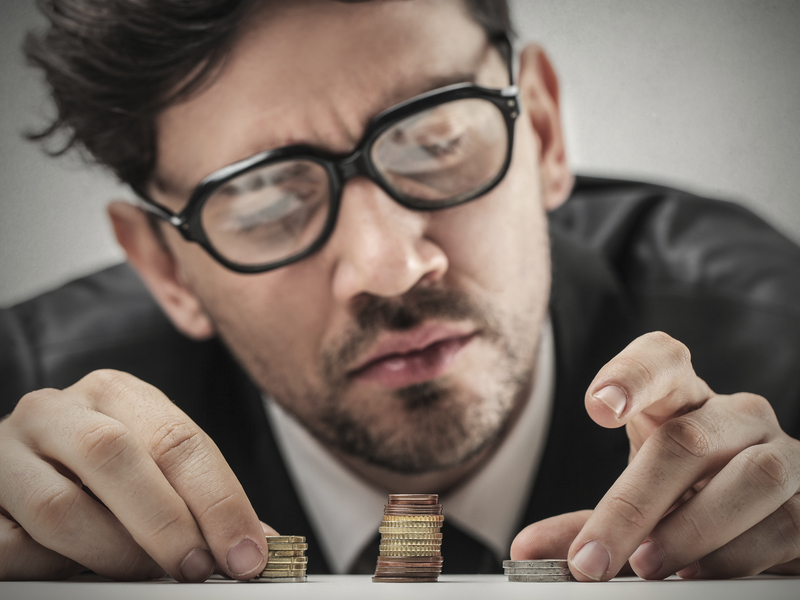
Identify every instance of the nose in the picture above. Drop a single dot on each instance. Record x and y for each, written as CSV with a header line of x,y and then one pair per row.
x,y
381,247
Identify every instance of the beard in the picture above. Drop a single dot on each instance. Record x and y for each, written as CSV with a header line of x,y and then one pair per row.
x,y
421,428
440,424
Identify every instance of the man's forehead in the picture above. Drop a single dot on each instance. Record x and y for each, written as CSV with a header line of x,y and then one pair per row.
x,y
315,77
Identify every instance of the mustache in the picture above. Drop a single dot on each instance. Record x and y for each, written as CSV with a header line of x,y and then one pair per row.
x,y
374,315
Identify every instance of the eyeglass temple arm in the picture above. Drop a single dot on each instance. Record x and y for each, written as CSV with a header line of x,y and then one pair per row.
x,y
506,47
146,204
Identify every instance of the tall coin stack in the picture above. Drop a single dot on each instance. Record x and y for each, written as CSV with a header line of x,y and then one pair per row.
x,y
287,559
411,540
550,569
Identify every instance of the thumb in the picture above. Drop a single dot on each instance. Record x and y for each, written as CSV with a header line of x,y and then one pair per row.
x,y
550,538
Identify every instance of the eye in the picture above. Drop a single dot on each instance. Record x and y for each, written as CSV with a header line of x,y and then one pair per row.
x,y
444,147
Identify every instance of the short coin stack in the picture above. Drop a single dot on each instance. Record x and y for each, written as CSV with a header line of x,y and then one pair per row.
x,y
287,559
538,570
411,539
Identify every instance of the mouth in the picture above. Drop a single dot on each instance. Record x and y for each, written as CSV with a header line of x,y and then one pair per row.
x,y
412,357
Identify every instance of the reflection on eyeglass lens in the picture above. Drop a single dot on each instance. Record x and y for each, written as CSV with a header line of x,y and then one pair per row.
x,y
269,211
444,152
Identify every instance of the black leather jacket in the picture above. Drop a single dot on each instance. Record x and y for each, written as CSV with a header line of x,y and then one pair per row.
x,y
628,258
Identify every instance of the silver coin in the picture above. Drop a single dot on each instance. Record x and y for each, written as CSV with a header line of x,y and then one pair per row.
x,y
539,571
280,579
540,578
532,564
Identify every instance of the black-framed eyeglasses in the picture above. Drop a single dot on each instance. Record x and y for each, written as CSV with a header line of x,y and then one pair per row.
x,y
434,151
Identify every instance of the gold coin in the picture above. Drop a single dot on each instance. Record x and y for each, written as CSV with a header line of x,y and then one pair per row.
x,y
282,546
413,517
410,553
411,536
286,539
286,552
409,523
285,567
412,524
389,547
270,573
410,546
411,542
291,560
409,530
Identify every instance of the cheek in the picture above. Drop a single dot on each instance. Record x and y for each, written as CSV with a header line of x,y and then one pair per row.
x,y
273,322
502,238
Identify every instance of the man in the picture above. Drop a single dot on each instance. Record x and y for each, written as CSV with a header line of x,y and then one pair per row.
x,y
354,199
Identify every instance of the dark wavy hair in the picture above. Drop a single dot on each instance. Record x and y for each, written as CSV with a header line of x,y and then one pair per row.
x,y
113,65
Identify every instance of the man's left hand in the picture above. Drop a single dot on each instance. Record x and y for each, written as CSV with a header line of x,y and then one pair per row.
x,y
711,490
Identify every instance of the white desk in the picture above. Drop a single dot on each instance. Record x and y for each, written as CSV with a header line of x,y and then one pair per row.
x,y
456,587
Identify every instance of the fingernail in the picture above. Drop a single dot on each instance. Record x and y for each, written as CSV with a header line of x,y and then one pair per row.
x,y
693,570
592,560
647,560
244,557
198,565
613,397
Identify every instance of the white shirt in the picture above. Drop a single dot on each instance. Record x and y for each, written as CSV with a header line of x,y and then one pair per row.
x,y
346,511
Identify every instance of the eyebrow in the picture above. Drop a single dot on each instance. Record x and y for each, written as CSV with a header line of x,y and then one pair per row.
x,y
391,98
401,94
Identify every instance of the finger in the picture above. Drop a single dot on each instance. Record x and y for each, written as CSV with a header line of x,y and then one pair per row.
x,y
268,530
767,547
57,526
195,468
652,376
21,558
681,452
111,461
549,538
735,505
791,567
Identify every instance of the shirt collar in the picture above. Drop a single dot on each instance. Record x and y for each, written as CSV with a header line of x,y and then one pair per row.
x,y
346,511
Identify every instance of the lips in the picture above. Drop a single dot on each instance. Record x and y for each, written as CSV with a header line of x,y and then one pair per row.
x,y
403,359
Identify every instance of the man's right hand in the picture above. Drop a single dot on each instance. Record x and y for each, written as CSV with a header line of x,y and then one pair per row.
x,y
109,475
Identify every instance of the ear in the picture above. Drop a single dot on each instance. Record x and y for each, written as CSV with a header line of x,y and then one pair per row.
x,y
539,89
156,265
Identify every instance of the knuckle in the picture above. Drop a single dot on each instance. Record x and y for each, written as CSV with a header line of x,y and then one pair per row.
x,y
173,442
106,385
767,468
674,348
756,406
632,366
35,403
101,441
50,508
630,505
685,438
218,504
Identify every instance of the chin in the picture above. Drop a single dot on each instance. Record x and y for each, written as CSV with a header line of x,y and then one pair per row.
x,y
432,428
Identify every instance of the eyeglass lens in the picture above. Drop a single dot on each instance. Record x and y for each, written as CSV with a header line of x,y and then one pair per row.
x,y
443,154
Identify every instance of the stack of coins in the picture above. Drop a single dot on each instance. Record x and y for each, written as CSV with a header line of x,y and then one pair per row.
x,y
411,540
551,569
287,560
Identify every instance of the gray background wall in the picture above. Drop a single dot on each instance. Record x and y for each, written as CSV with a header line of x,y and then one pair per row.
x,y
702,94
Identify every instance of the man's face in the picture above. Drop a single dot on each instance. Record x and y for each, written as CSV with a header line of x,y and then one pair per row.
x,y
410,337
